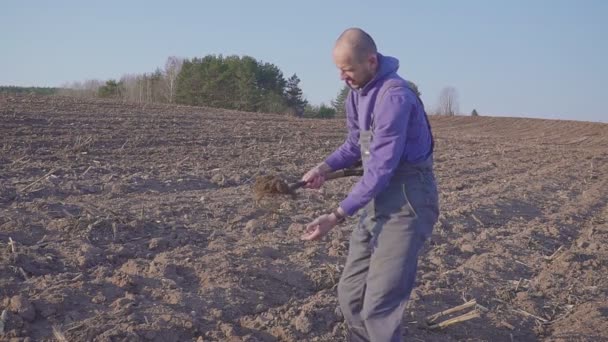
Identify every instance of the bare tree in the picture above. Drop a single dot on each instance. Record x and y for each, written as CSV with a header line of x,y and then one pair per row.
x,y
130,84
172,69
448,101
159,86
87,88
70,89
91,87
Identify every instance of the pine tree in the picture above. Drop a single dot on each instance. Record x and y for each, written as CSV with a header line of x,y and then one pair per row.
x,y
326,112
339,103
110,90
293,96
474,113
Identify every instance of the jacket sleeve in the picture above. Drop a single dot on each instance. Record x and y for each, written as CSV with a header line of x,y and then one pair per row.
x,y
386,149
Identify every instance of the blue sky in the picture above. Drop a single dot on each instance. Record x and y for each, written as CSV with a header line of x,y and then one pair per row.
x,y
510,58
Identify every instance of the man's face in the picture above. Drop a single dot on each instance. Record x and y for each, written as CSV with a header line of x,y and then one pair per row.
x,y
356,72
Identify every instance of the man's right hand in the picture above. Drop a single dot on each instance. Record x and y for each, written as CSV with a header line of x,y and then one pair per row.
x,y
316,176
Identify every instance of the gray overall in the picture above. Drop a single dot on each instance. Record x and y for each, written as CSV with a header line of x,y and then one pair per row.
x,y
383,255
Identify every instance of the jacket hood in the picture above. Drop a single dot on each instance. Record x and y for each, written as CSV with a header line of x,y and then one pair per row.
x,y
387,66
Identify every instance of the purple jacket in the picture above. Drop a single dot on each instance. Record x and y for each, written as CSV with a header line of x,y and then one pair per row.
x,y
401,133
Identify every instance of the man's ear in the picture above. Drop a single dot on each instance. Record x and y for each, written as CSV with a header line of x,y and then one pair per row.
x,y
373,60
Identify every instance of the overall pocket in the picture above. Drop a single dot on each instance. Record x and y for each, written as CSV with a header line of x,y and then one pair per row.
x,y
393,202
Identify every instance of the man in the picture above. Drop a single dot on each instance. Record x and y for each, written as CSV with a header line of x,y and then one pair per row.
x,y
389,131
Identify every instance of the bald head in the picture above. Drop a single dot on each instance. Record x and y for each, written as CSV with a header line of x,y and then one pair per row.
x,y
356,42
356,57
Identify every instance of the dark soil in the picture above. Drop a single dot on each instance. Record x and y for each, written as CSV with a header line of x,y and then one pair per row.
x,y
138,222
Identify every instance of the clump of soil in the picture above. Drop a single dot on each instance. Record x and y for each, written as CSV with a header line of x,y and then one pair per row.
x,y
268,185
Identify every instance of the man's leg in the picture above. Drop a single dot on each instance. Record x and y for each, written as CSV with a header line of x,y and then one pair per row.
x,y
390,280
351,288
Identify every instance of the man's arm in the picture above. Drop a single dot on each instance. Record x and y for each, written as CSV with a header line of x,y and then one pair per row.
x,y
387,146
349,152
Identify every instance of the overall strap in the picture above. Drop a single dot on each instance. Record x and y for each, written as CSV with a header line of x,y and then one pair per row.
x,y
396,83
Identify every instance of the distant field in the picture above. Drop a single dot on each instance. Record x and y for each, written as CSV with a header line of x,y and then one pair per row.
x,y
133,222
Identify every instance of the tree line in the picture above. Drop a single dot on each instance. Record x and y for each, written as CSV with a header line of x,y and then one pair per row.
x,y
28,90
158,86
241,83
232,82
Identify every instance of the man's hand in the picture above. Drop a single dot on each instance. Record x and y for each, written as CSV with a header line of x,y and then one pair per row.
x,y
316,176
320,227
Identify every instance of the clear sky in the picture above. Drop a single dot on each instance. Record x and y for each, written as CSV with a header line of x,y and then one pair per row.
x,y
531,58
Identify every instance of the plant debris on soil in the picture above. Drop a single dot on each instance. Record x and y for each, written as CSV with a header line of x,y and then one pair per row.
x,y
132,222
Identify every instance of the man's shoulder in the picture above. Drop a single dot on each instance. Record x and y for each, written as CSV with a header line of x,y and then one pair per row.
x,y
393,80
395,85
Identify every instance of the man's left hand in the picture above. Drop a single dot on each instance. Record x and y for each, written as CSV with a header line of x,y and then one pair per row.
x,y
320,227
